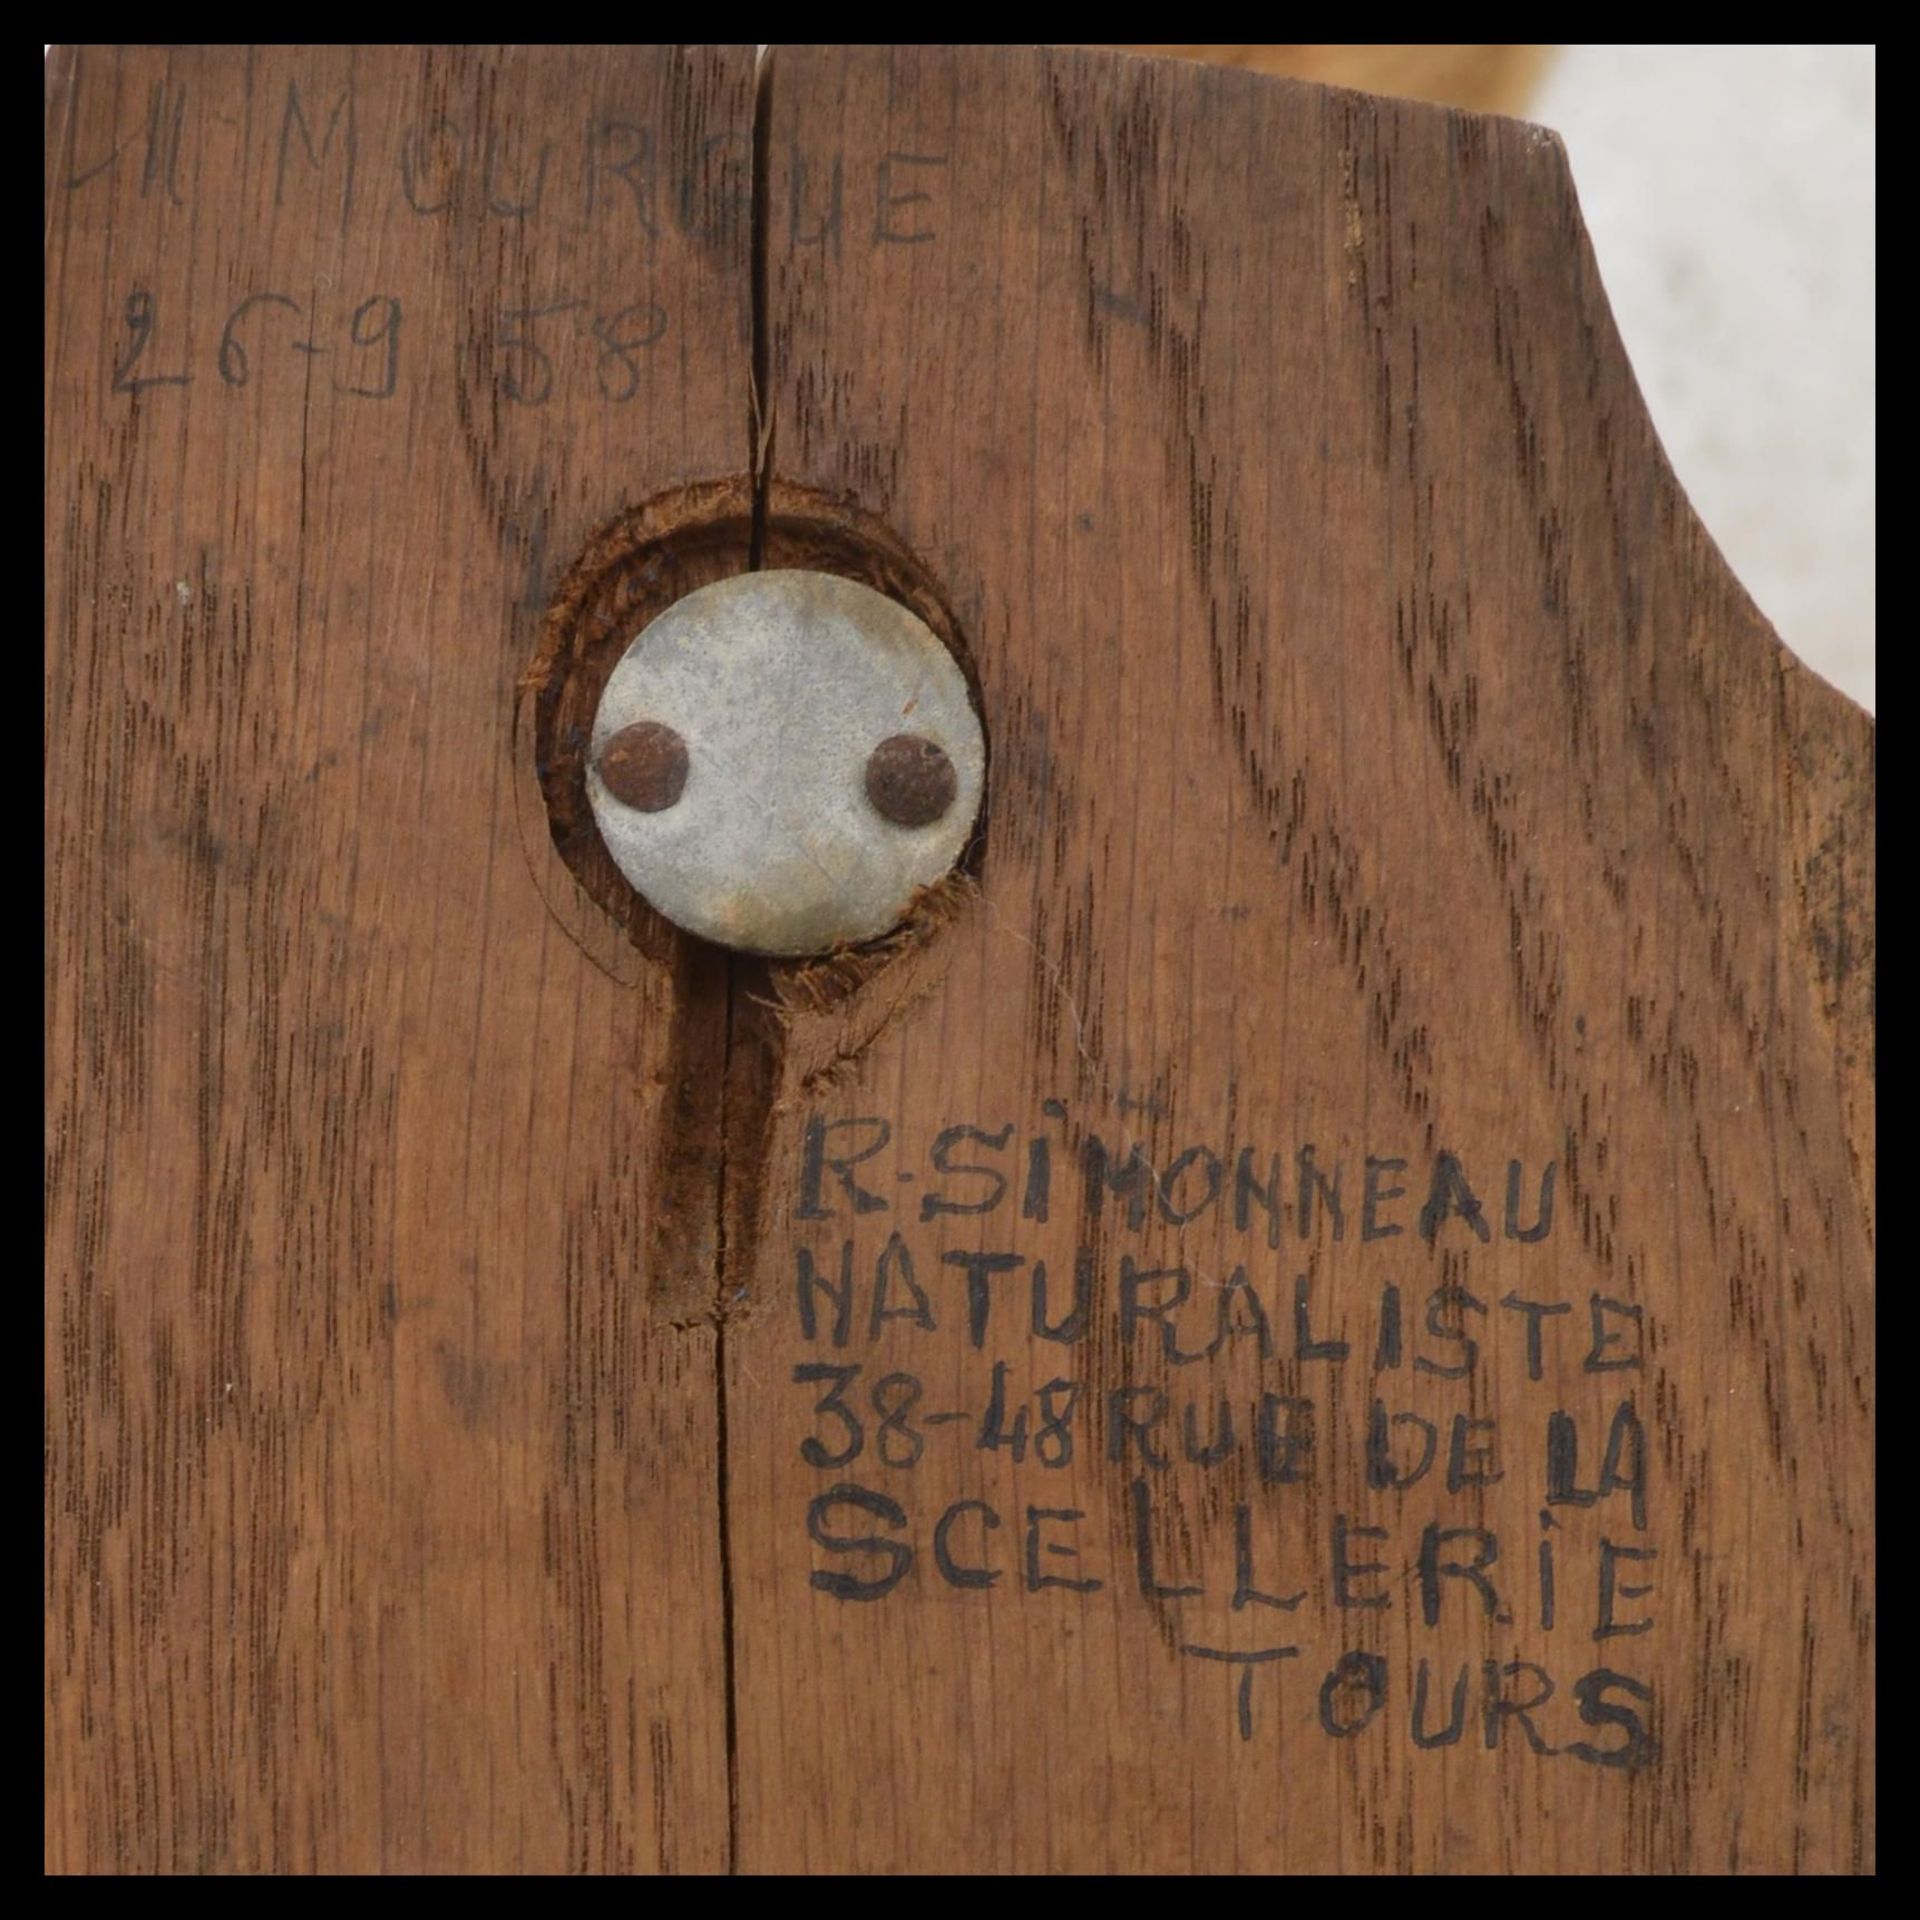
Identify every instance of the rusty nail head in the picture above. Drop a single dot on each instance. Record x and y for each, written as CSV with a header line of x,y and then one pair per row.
x,y
910,780
644,766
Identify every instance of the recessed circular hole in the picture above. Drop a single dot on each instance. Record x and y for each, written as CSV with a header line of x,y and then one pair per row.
x,y
632,571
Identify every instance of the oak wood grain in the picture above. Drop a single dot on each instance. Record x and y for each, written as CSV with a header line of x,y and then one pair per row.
x,y
1487,79
381,1524
1383,760
1389,787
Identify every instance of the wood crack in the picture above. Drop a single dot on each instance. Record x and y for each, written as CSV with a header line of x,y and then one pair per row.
x,y
746,983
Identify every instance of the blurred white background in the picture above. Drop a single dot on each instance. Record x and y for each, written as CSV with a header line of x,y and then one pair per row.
x,y
1730,195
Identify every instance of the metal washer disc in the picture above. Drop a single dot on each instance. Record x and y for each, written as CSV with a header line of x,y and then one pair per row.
x,y
782,684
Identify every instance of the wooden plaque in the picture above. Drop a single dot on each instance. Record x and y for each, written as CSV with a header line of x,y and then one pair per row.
x,y
1312,1312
